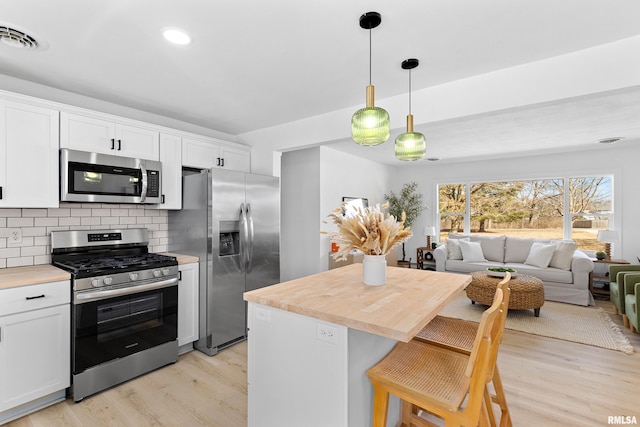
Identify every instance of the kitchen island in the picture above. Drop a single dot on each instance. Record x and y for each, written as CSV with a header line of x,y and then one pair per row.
x,y
311,341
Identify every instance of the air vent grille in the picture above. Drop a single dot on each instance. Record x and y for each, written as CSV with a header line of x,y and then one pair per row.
x,y
16,38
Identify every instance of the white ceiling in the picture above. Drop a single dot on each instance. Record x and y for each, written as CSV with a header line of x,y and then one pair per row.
x,y
256,64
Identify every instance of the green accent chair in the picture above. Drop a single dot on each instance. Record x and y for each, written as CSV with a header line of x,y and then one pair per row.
x,y
616,287
632,300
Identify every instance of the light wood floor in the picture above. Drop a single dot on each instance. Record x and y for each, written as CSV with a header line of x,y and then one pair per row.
x,y
548,382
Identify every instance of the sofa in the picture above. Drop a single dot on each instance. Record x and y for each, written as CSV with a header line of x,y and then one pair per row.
x,y
563,268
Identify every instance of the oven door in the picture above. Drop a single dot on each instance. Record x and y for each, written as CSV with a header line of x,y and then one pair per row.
x,y
112,324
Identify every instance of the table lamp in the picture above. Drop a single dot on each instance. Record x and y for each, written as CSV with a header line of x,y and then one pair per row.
x,y
607,237
429,230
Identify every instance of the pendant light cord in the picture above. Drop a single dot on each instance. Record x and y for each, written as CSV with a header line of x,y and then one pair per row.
x,y
370,55
409,91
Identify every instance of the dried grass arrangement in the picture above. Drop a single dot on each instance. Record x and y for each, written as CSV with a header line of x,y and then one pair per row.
x,y
368,230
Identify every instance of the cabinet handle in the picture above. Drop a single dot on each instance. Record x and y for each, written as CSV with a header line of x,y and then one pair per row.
x,y
113,144
180,276
222,162
0,193
217,161
119,144
39,296
162,200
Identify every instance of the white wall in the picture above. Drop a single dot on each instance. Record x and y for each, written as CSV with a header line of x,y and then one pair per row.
x,y
619,160
313,182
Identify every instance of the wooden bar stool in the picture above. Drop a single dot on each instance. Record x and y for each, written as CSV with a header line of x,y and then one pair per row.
x,y
459,335
438,380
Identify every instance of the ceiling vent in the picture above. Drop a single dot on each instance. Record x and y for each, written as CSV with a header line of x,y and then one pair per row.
x,y
18,39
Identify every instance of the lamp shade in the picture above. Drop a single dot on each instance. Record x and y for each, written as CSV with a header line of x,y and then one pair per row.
x,y
429,230
370,126
410,146
607,236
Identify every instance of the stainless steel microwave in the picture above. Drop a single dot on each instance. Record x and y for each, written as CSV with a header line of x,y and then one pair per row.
x,y
93,177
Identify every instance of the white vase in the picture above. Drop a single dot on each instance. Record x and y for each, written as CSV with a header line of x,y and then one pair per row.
x,y
374,270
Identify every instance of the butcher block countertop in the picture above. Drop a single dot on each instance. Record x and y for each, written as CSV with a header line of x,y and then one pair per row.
x,y
31,275
396,310
182,259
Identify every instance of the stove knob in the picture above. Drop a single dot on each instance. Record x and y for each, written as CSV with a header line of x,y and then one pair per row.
x,y
107,280
165,271
96,282
133,276
157,273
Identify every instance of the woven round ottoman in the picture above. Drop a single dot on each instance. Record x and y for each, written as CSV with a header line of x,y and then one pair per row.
x,y
527,292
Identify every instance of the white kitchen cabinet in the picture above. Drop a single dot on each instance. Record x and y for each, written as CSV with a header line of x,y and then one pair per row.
x,y
205,154
188,303
34,347
28,156
106,136
171,158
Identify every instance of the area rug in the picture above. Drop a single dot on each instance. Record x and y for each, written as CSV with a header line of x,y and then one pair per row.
x,y
584,325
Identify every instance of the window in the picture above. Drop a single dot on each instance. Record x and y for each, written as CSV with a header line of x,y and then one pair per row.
x,y
563,208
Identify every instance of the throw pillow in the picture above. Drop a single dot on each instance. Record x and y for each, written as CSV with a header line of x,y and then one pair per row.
x,y
471,251
492,247
453,248
563,255
540,254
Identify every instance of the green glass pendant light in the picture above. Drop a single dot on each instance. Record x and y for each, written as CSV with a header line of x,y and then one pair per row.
x,y
370,125
410,145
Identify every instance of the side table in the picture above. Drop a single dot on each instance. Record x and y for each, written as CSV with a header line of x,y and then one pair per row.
x,y
424,259
602,277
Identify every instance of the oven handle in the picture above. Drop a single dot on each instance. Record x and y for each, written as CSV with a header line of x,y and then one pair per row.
x,y
82,298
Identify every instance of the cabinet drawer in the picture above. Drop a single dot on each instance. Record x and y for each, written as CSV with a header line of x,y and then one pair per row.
x,y
32,297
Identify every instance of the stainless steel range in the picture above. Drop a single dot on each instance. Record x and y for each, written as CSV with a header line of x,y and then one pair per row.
x,y
124,318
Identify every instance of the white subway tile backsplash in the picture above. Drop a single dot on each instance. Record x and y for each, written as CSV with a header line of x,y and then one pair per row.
x,y
19,222
34,213
10,213
58,212
46,222
69,220
37,225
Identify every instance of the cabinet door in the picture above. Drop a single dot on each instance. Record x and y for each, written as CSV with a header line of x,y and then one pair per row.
x,y
199,154
171,158
87,134
137,142
188,303
29,162
34,354
235,159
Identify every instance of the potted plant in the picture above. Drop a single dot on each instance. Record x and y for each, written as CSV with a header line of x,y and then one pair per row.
x,y
600,255
409,202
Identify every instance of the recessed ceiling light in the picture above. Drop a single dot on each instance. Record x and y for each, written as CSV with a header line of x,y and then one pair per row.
x,y
176,36
609,140
433,159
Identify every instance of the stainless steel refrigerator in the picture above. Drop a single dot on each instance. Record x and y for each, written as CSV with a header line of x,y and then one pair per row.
x,y
231,221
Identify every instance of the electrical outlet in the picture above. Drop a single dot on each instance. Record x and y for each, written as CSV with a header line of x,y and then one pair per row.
x,y
15,236
327,333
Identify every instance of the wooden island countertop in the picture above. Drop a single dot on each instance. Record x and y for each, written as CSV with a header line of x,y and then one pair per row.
x,y
396,310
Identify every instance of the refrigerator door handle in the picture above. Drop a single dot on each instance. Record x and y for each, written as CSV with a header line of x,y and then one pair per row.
x,y
250,238
244,238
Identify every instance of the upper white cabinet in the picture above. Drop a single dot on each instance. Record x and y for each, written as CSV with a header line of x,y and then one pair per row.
x,y
205,154
171,158
28,156
108,137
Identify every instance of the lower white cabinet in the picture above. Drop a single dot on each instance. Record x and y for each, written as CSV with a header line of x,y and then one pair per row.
x,y
34,347
188,303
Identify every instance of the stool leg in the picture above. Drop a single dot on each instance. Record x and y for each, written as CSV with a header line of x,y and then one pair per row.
x,y
380,406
